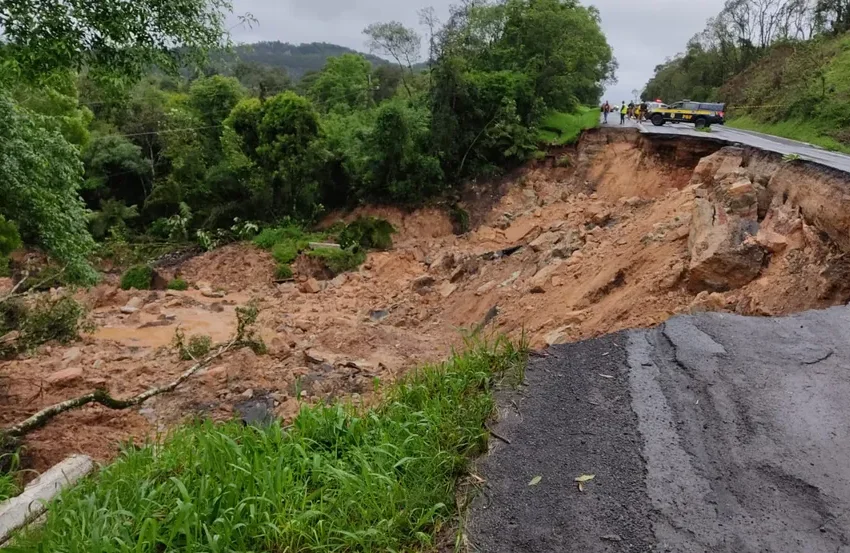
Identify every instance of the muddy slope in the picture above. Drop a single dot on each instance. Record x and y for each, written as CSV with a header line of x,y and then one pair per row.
x,y
627,233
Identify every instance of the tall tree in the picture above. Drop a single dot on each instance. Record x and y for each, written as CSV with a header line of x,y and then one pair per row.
x,y
397,41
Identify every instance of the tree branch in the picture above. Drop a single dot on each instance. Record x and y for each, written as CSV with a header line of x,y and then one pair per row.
x,y
102,397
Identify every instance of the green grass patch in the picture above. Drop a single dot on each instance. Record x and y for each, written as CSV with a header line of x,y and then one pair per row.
x,y
178,284
558,128
9,483
795,129
339,261
283,272
339,480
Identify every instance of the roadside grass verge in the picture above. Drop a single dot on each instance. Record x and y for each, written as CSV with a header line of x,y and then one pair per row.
x,y
340,479
558,128
795,129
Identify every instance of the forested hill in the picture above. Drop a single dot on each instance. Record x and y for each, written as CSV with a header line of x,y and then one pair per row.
x,y
782,66
295,59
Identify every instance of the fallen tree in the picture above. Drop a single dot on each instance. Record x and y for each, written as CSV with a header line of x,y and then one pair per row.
x,y
244,337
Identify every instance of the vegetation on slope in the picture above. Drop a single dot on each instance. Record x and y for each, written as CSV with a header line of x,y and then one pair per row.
x,y
558,128
201,155
782,67
340,479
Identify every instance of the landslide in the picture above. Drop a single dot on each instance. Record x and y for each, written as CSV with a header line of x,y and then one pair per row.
x,y
621,231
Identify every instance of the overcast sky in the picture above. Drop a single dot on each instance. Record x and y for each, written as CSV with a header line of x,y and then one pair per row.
x,y
642,32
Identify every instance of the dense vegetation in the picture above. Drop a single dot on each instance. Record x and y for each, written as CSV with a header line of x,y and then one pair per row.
x,y
109,143
295,60
341,479
781,65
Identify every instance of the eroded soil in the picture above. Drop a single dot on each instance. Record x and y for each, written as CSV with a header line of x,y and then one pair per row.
x,y
565,253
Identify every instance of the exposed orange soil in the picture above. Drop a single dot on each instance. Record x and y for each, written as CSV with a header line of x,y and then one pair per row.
x,y
604,248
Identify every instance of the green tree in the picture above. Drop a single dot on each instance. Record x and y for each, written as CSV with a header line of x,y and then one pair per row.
x,y
397,41
40,175
115,169
344,84
262,81
289,150
118,40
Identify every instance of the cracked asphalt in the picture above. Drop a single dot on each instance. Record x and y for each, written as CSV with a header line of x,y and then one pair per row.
x,y
711,433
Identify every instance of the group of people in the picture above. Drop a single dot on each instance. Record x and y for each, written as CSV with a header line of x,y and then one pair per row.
x,y
635,112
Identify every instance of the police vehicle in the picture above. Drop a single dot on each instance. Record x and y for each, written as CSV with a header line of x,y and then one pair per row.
x,y
701,114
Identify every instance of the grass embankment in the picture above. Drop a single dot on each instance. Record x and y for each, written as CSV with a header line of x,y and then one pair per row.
x,y
559,128
339,480
798,90
795,129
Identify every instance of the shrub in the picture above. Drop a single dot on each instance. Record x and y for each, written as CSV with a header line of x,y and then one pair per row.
x,y
283,272
197,348
369,233
139,277
178,284
460,219
47,319
339,261
10,240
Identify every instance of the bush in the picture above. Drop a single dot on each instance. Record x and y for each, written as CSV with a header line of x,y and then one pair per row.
x,y
139,277
178,284
369,233
339,261
199,346
47,319
460,219
283,272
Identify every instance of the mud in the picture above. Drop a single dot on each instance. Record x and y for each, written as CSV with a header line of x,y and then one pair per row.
x,y
558,253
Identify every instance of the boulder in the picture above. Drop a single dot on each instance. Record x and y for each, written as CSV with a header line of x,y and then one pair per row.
x,y
724,252
72,356
725,160
447,289
310,286
65,376
544,275
210,293
598,215
772,241
545,241
423,282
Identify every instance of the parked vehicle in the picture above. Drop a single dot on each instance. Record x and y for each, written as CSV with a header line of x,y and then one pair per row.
x,y
701,114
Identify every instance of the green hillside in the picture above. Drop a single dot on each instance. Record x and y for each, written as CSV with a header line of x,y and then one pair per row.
x,y
295,59
782,67
799,90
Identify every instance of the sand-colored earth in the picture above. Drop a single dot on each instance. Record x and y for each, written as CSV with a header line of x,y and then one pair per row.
x,y
602,246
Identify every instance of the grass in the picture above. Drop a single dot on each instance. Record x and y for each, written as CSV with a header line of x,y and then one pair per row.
x,y
286,243
178,284
339,261
795,129
559,128
339,480
8,478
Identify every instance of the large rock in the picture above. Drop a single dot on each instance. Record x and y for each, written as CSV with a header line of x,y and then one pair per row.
x,y
724,253
724,161
310,286
541,280
65,376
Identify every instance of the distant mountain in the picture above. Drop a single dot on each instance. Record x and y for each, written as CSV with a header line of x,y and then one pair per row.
x,y
295,59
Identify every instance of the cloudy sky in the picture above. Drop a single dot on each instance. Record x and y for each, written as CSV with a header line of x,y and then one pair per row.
x,y
642,32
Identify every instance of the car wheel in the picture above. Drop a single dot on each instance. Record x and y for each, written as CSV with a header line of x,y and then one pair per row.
x,y
701,123
658,120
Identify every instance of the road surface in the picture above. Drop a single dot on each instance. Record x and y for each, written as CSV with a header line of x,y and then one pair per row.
x,y
713,433
782,146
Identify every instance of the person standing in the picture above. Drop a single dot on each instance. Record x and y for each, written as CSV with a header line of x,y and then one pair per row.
x,y
624,109
606,109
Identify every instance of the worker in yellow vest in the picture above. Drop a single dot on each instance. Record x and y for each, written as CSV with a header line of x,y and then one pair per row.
x,y
624,109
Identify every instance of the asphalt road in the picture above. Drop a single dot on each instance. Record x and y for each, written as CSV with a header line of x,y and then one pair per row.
x,y
808,152
712,433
